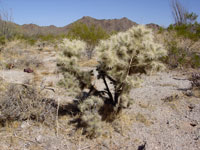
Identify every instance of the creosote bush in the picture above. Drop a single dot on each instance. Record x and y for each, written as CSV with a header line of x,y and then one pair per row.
x,y
122,59
21,102
182,52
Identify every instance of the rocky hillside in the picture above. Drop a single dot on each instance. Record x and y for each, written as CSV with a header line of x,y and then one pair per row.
x,y
107,24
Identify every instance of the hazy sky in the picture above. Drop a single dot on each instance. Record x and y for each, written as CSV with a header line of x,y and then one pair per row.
x,y
63,12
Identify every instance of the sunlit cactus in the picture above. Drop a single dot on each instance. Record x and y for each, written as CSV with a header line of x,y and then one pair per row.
x,y
71,52
124,57
74,79
90,116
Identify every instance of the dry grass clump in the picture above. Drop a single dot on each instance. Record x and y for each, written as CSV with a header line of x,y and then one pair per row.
x,y
22,62
15,54
2,85
30,61
22,102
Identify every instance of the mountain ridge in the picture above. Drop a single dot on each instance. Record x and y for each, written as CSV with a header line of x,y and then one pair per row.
x,y
108,25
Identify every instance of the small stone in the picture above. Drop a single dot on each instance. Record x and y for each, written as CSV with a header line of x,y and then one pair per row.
x,y
28,70
194,123
25,125
38,139
167,122
191,107
189,93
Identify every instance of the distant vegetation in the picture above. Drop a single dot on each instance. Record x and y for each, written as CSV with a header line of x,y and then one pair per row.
x,y
185,28
186,24
190,31
90,34
182,38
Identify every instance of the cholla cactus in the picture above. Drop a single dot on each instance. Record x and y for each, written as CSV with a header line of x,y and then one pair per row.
x,y
126,55
122,59
72,50
90,117
74,78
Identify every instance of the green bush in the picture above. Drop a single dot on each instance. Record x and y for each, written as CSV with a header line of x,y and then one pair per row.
x,y
190,31
195,60
2,40
180,56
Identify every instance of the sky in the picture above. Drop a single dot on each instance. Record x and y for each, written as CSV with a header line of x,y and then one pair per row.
x,y
64,12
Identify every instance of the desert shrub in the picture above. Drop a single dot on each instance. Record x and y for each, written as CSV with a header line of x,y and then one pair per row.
x,y
28,61
195,60
122,59
181,55
90,34
31,41
161,30
190,31
48,37
22,62
2,40
21,102
27,39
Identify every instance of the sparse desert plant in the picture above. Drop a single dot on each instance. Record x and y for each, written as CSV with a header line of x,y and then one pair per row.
x,y
2,40
7,28
23,62
182,52
122,59
22,102
189,31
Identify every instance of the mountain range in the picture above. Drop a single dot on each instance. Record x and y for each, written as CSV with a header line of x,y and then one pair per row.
x,y
107,24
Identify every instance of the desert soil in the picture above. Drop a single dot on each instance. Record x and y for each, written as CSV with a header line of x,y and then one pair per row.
x,y
164,116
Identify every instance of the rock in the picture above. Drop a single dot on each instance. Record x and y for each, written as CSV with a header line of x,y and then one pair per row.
x,y
188,93
39,139
194,123
191,107
142,147
25,124
28,70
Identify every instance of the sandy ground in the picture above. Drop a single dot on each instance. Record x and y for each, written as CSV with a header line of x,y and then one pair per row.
x,y
162,117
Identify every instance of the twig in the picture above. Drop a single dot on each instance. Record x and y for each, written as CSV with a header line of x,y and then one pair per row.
x,y
184,89
179,79
84,148
57,123
25,139
47,88
21,138
25,85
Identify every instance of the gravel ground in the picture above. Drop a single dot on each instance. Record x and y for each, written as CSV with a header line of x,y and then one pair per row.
x,y
161,118
174,118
